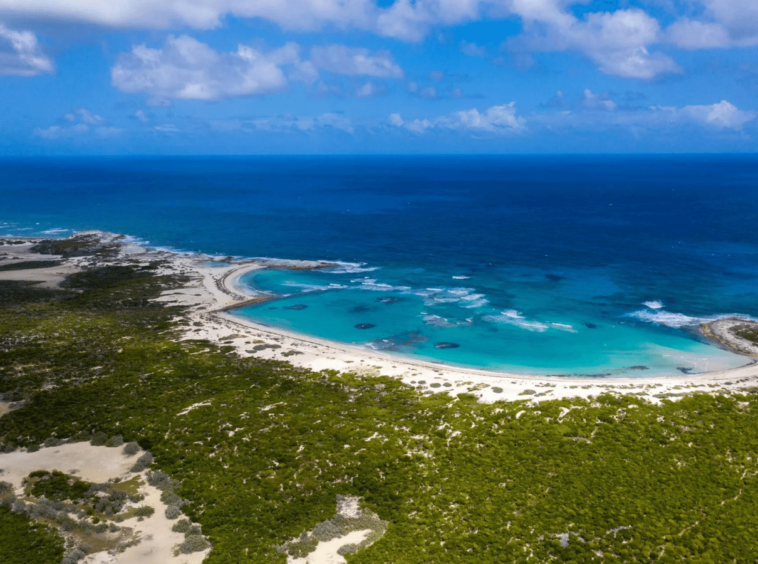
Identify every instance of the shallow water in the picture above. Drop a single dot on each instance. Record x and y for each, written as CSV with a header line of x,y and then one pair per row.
x,y
531,264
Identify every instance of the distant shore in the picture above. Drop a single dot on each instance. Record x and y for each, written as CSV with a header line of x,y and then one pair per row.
x,y
214,290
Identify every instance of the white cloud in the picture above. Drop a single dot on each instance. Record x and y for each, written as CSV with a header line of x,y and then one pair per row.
x,y
87,117
340,59
167,128
287,124
403,19
142,116
495,120
618,42
84,122
369,90
58,132
727,23
692,34
472,49
21,55
428,92
187,69
738,17
411,20
722,115
593,101
200,14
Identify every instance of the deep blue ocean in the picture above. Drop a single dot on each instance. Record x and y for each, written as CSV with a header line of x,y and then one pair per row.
x,y
597,265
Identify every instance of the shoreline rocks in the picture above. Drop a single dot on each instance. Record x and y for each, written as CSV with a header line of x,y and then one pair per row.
x,y
725,331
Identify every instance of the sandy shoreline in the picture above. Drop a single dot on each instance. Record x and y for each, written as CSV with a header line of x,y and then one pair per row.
x,y
215,289
219,323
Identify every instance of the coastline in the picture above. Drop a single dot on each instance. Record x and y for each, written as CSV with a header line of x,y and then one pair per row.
x,y
214,290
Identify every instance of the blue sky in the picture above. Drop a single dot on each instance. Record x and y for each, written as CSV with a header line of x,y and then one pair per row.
x,y
368,76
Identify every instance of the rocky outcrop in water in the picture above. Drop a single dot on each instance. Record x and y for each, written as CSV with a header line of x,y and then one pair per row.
x,y
735,333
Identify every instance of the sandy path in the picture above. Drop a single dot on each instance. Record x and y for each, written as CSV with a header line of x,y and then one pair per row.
x,y
99,464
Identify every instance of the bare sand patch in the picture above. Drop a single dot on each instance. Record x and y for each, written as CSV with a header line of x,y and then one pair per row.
x,y
327,552
99,464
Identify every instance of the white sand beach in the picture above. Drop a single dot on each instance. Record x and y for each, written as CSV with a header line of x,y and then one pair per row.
x,y
214,288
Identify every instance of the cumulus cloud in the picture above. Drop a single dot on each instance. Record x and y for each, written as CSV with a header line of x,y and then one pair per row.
x,y
495,120
472,49
404,19
58,132
618,42
621,42
693,34
592,101
186,69
84,123
369,90
340,59
720,116
85,116
21,55
725,23
200,14
287,124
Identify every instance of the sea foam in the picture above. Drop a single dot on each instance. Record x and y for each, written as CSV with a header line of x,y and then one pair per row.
x,y
513,317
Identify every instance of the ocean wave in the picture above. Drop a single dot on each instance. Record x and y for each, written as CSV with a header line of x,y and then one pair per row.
x,y
56,231
676,320
679,320
438,321
434,296
351,268
563,327
655,304
513,317
372,285
314,287
461,277
474,300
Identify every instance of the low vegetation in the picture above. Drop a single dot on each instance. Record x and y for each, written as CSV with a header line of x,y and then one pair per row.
x,y
612,479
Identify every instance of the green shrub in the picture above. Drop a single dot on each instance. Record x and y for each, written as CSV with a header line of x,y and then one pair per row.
x,y
193,544
130,449
173,512
182,526
144,511
115,441
142,462
99,439
81,437
23,541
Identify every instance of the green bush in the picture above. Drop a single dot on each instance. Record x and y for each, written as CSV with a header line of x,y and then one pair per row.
x,y
182,526
130,449
142,462
115,441
173,512
144,511
23,541
99,439
193,544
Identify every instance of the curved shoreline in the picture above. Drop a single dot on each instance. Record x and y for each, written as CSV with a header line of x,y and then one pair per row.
x,y
214,289
320,354
716,331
